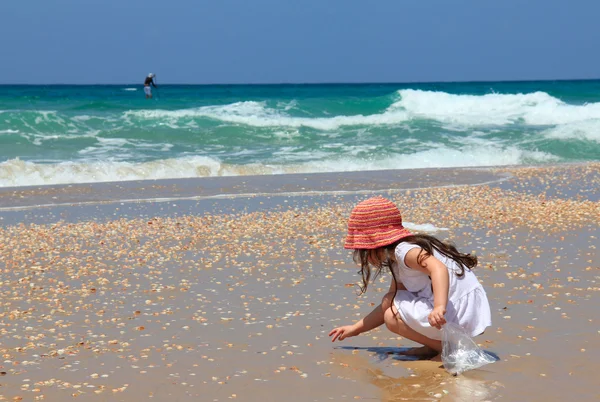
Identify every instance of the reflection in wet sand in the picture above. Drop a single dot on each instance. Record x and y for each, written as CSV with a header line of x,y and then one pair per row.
x,y
400,379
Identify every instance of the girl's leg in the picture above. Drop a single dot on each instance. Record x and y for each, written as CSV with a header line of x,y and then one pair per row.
x,y
395,324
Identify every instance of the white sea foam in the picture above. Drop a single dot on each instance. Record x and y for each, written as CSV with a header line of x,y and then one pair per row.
x,y
438,157
538,108
287,134
83,117
256,114
121,148
457,112
39,138
47,116
585,130
16,172
130,89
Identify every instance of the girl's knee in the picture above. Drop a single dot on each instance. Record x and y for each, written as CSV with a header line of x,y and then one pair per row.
x,y
391,319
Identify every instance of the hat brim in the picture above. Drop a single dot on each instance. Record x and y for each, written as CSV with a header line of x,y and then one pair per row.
x,y
369,240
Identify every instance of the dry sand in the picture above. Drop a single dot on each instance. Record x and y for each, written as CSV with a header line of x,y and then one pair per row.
x,y
220,294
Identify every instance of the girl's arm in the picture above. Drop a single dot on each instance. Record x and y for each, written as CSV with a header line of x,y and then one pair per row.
x,y
439,281
372,320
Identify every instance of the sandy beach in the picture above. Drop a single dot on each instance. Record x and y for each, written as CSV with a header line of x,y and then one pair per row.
x,y
226,288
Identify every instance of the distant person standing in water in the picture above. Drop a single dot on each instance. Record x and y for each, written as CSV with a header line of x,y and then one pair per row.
x,y
147,88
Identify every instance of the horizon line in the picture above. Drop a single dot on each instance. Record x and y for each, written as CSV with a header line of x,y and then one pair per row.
x,y
316,83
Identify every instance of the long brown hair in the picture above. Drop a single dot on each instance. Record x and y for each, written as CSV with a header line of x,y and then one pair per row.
x,y
385,257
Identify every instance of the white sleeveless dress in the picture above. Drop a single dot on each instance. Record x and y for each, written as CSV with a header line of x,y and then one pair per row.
x,y
467,307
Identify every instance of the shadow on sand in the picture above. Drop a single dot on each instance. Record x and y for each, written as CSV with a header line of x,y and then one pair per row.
x,y
399,353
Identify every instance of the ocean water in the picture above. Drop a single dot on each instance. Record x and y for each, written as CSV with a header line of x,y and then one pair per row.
x,y
75,134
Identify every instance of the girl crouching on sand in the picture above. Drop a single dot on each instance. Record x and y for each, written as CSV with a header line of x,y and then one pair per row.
x,y
432,282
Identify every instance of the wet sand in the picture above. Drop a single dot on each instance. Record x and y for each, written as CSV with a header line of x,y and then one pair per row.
x,y
226,289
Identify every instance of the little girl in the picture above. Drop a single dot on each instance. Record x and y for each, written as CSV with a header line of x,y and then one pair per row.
x,y
432,282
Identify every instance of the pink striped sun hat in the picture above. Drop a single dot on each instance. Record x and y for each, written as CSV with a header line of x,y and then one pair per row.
x,y
374,223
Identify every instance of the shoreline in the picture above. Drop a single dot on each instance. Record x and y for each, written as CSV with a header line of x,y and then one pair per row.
x,y
259,185
198,188
102,202
29,198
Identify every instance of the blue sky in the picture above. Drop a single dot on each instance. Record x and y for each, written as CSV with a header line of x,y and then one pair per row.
x,y
278,41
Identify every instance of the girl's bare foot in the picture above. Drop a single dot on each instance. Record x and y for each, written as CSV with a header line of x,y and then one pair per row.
x,y
423,351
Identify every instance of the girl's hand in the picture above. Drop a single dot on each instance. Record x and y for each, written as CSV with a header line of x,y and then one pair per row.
x,y
436,317
341,333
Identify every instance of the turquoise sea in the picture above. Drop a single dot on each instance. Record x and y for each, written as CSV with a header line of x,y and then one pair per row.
x,y
74,134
